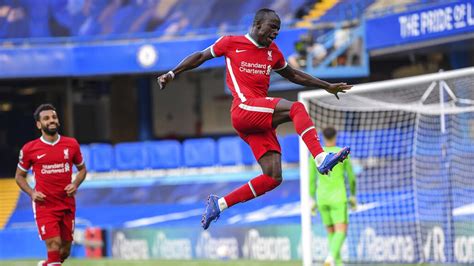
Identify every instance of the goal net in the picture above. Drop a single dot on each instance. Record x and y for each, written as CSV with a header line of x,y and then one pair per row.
x,y
412,148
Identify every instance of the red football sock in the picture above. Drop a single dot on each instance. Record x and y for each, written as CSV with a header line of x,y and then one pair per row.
x,y
53,257
305,128
254,188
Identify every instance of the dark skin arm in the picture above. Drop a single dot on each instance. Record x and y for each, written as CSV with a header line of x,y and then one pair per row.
x,y
301,78
296,76
191,61
20,178
80,176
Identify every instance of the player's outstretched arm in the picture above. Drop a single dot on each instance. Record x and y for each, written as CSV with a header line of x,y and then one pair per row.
x,y
304,79
191,61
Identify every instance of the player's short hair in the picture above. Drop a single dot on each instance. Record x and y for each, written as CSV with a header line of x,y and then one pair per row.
x,y
329,133
41,108
262,14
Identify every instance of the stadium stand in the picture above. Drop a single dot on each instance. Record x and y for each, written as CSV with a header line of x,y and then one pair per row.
x,y
389,6
164,154
330,11
231,151
102,157
290,148
86,154
200,152
247,155
385,7
9,194
131,156
126,18
172,154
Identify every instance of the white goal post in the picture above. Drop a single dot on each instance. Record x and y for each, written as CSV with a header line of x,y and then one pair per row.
x,y
431,118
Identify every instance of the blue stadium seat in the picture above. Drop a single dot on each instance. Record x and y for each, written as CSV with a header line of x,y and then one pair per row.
x,y
229,151
86,155
131,156
199,152
247,154
290,148
102,157
164,154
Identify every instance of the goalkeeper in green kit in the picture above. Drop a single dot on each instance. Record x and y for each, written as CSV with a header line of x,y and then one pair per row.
x,y
331,198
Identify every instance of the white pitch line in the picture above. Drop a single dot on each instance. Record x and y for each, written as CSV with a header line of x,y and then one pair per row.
x,y
162,218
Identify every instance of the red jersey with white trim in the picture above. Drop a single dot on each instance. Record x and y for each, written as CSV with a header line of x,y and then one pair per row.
x,y
52,167
248,64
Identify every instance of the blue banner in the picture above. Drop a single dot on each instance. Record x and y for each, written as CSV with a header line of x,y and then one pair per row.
x,y
84,58
422,25
81,59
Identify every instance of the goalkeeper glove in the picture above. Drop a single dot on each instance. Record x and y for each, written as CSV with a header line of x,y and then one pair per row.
x,y
353,203
314,207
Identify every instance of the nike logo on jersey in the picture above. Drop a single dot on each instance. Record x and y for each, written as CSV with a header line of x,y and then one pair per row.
x,y
40,156
239,51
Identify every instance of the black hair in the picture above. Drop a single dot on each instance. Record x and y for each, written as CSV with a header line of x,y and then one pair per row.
x,y
329,133
41,108
262,14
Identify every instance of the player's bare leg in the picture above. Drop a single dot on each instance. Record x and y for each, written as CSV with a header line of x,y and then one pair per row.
x,y
271,177
65,250
53,245
270,163
286,111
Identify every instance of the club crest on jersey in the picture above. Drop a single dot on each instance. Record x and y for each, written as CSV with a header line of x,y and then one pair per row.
x,y
66,154
269,55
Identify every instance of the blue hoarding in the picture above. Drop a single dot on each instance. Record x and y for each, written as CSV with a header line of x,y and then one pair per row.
x,y
86,58
422,25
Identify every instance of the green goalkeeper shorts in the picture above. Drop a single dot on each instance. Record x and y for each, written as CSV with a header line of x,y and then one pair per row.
x,y
334,214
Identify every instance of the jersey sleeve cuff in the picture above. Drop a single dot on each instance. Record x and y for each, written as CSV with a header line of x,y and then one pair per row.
x,y
278,69
22,168
80,164
212,51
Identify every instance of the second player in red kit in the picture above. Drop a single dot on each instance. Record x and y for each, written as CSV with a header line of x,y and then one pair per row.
x,y
249,60
51,158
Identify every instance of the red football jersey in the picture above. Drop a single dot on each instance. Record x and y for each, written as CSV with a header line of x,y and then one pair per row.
x,y
248,65
52,168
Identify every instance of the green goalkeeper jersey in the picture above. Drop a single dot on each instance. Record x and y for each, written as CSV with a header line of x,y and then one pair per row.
x,y
330,189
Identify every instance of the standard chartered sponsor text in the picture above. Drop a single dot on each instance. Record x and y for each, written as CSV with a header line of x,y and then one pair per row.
x,y
56,168
254,68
